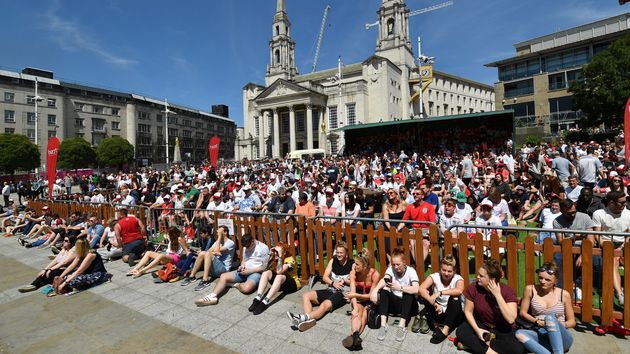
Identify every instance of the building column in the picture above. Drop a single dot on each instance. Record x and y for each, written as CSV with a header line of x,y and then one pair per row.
x,y
292,144
276,134
309,126
261,135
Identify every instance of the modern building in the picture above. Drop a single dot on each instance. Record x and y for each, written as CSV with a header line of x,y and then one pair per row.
x,y
70,110
535,81
292,111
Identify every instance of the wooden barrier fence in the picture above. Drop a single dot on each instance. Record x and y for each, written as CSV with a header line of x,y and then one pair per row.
x,y
315,243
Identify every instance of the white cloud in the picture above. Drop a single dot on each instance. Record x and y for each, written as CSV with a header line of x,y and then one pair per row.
x,y
73,38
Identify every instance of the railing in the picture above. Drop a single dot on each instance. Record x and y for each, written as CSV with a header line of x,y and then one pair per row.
x,y
312,241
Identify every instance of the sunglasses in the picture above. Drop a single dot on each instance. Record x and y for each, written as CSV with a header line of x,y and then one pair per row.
x,y
391,193
66,240
417,193
546,270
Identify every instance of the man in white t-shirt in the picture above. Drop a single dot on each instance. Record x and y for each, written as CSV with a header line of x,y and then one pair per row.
x,y
573,190
247,276
547,216
486,218
614,218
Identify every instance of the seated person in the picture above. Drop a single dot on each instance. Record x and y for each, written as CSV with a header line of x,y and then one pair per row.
x,y
108,246
216,260
247,276
176,248
55,268
441,293
282,275
395,293
362,277
85,271
550,309
490,311
337,277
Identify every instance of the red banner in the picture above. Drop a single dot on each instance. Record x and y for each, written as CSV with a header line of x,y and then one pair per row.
x,y
213,150
626,131
51,162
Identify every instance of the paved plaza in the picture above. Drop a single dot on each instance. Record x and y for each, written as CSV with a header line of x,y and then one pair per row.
x,y
133,316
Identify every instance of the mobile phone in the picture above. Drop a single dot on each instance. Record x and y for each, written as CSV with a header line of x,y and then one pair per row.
x,y
388,280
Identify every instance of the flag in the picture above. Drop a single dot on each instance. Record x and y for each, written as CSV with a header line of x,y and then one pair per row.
x,y
52,151
626,132
213,150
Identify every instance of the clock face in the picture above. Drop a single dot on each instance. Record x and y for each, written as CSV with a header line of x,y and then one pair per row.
x,y
424,72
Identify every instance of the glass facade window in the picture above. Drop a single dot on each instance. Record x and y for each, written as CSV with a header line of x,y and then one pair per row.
x,y
600,47
561,104
519,70
351,113
332,117
575,75
567,59
519,88
557,81
525,109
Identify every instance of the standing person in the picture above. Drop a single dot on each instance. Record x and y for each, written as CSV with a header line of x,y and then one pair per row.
x,y
589,168
441,293
6,193
563,167
466,169
362,278
550,310
337,277
395,294
247,276
132,235
490,311
67,182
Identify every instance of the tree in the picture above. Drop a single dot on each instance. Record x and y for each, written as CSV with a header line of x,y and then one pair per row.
x,y
76,153
17,152
114,151
603,93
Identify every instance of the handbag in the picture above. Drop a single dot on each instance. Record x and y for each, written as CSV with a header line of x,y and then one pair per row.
x,y
374,318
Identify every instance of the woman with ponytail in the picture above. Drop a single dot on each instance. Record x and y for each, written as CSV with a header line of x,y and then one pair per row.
x,y
362,277
490,311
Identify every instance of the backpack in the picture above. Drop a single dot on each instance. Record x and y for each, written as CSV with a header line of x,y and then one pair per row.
x,y
374,319
168,272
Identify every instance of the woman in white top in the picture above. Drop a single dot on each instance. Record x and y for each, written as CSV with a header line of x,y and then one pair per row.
x,y
351,209
176,248
441,292
109,247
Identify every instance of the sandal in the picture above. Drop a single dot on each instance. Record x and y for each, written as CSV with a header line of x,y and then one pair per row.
x,y
138,274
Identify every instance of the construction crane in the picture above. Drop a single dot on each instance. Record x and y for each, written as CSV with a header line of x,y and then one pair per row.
x,y
320,37
417,12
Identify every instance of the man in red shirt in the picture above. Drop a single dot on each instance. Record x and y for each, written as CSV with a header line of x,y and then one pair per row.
x,y
419,211
132,235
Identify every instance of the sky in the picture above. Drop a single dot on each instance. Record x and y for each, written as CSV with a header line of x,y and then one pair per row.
x,y
198,53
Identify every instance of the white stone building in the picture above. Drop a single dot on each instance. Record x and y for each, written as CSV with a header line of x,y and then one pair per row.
x,y
293,111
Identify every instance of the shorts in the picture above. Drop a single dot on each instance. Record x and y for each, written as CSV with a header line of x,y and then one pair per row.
x,y
334,296
252,278
174,257
217,268
289,286
136,247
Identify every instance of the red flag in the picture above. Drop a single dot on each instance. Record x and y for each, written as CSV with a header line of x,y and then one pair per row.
x,y
213,150
626,131
51,162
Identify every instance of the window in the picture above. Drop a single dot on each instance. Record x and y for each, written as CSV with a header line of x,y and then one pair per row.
x,y
30,133
98,124
525,109
158,117
9,130
97,109
30,99
600,47
519,70
557,81
143,115
159,130
79,135
256,126
519,88
173,132
9,96
284,125
79,122
51,102
430,109
199,125
115,111
9,116
172,120
332,117
80,107
144,140
351,113
300,120
575,75
187,123
567,59
144,128
52,119
30,117
561,104
198,135
187,134
115,125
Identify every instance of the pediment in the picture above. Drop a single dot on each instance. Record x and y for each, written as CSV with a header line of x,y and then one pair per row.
x,y
281,88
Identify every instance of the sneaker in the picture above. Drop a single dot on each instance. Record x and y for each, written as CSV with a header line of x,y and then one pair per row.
x,y
382,332
202,285
620,298
206,301
306,325
187,281
401,333
260,308
54,250
52,256
295,319
254,304
420,324
27,288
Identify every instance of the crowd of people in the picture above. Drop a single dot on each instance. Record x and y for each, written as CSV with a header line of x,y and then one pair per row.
x,y
574,187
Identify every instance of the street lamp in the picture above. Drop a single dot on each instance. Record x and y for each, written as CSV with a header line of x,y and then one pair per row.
x,y
166,111
37,99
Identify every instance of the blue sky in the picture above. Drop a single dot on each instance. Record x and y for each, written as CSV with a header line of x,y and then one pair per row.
x,y
202,52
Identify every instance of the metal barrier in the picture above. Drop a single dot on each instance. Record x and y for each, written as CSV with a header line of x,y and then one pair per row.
x,y
315,245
